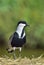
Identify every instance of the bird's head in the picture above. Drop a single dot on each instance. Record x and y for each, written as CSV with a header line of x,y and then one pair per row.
x,y
23,23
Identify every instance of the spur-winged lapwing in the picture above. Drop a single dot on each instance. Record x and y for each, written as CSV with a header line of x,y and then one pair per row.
x,y
18,38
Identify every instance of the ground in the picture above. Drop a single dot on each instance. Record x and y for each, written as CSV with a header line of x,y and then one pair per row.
x,y
22,61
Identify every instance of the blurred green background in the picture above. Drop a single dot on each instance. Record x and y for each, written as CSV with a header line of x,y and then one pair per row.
x,y
32,11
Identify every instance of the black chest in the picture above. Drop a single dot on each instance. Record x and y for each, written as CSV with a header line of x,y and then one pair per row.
x,y
18,42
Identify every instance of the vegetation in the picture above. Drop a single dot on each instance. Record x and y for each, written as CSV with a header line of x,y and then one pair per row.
x,y
32,11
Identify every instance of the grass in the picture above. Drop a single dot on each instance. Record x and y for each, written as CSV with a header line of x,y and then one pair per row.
x,y
25,52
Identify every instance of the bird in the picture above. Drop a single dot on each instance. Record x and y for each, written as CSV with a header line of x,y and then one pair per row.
x,y
18,38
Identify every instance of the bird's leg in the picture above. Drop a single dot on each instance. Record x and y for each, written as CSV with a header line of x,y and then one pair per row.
x,y
14,48
20,51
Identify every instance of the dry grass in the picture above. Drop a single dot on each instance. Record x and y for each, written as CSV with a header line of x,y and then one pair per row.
x,y
22,61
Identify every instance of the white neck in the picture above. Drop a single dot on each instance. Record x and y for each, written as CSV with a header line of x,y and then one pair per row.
x,y
19,30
